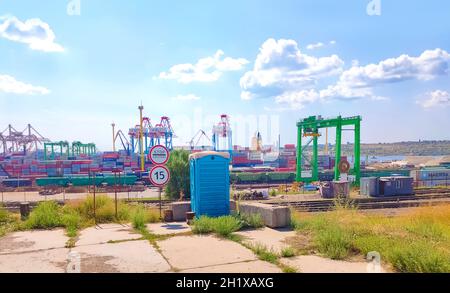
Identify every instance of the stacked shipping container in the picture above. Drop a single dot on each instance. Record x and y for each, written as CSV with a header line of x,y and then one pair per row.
x,y
431,177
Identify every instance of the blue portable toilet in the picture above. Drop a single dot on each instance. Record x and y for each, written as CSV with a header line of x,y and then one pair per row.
x,y
210,183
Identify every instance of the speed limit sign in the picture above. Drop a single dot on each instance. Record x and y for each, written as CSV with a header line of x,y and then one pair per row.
x,y
159,176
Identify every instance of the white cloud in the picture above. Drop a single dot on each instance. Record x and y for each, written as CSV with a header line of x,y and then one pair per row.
x,y
298,99
189,97
294,79
10,85
281,67
360,81
283,72
430,64
205,70
34,32
319,45
344,92
436,98
315,46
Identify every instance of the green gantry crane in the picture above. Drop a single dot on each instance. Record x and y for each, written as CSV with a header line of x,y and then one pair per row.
x,y
83,148
309,127
64,148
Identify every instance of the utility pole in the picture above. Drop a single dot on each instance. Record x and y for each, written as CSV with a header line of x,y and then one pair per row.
x,y
115,192
141,134
114,136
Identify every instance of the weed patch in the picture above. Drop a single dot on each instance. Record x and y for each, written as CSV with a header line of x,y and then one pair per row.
x,y
417,241
223,226
288,252
47,215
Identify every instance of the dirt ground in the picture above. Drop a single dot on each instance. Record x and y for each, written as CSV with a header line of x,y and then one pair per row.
x,y
417,161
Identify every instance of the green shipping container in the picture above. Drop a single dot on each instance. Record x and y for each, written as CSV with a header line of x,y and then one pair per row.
x,y
85,181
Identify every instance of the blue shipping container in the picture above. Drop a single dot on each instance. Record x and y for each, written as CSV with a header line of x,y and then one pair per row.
x,y
210,183
394,186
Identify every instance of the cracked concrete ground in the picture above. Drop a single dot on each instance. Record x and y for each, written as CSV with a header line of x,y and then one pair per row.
x,y
33,252
207,253
106,232
117,248
125,257
317,264
44,251
169,228
272,239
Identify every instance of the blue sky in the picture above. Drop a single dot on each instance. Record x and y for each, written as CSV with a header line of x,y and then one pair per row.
x,y
71,76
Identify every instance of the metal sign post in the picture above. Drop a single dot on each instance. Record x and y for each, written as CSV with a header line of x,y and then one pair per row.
x,y
115,193
95,217
159,175
160,202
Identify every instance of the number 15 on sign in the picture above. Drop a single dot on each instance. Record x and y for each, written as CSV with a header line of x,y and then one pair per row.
x,y
159,176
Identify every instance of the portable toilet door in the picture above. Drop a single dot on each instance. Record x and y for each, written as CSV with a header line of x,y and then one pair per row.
x,y
210,183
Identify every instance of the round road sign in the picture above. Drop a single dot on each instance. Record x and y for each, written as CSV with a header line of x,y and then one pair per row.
x,y
159,176
159,155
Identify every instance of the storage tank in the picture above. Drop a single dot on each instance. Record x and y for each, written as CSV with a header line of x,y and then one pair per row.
x,y
210,183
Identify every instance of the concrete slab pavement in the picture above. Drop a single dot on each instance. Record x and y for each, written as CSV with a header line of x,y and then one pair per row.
x,y
317,264
168,228
190,252
41,261
26,241
106,232
125,257
251,267
271,238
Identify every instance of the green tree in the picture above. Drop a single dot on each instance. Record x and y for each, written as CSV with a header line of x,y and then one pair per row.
x,y
179,174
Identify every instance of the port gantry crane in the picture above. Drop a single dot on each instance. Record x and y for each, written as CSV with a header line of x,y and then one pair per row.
x,y
161,133
13,141
123,139
309,127
196,139
64,149
222,135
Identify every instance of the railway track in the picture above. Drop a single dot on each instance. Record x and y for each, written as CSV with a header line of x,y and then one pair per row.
x,y
322,205
431,190
367,203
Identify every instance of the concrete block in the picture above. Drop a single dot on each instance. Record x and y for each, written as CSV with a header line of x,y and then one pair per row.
x,y
179,210
273,216
232,206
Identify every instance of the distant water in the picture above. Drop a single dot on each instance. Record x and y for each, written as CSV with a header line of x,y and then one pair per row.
x,y
378,159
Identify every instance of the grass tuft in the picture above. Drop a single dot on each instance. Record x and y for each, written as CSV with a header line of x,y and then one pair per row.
x,y
223,226
138,218
288,269
288,252
251,220
4,216
264,254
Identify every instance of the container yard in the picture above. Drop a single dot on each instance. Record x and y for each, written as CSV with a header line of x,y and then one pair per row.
x,y
30,160
224,144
